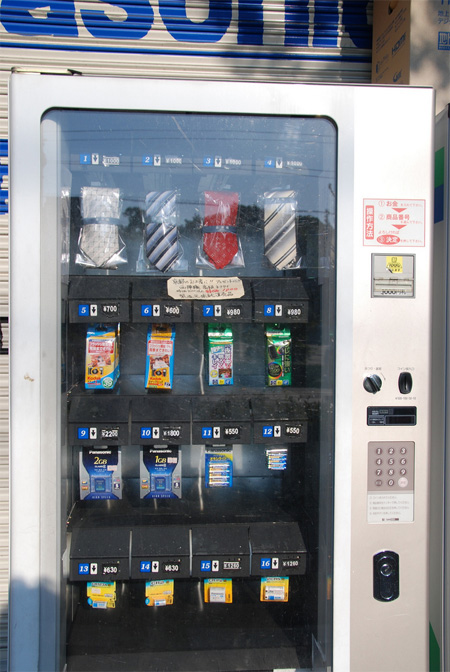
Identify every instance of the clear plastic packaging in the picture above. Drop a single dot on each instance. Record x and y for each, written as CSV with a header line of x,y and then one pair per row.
x,y
220,247
161,249
280,229
100,244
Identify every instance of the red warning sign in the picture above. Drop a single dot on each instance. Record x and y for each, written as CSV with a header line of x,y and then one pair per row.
x,y
394,223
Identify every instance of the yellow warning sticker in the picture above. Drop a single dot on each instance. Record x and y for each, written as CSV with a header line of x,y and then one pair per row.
x,y
394,264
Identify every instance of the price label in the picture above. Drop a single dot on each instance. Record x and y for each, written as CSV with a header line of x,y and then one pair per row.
x,y
289,563
112,433
110,569
110,309
232,432
171,567
235,564
233,311
294,311
171,432
172,311
293,430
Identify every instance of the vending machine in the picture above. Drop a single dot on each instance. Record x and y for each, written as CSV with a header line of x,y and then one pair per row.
x,y
220,375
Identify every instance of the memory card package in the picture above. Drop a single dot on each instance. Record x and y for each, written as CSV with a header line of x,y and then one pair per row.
x,y
160,472
100,470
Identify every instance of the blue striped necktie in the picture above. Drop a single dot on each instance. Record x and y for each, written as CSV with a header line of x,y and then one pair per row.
x,y
161,233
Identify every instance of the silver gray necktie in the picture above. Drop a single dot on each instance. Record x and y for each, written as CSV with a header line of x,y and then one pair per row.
x,y
280,236
161,233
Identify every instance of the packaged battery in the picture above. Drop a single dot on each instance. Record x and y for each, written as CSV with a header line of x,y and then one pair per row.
x,y
100,471
160,472
102,356
159,593
274,589
219,349
278,355
276,458
218,467
160,356
218,590
101,594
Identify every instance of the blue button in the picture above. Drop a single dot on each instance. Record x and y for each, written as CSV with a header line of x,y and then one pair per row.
x,y
85,159
269,163
146,566
207,432
146,310
146,432
83,568
267,430
147,160
83,310
265,563
83,433
208,311
208,161
269,310
205,565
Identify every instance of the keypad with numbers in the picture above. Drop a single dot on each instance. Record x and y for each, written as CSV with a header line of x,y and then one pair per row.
x,y
391,466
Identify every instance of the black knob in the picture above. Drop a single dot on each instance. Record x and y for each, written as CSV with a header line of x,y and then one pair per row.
x,y
372,383
405,382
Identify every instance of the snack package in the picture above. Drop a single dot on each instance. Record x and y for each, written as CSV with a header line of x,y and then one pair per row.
x,y
159,593
274,589
101,594
160,472
100,470
102,357
160,356
278,355
219,346
100,244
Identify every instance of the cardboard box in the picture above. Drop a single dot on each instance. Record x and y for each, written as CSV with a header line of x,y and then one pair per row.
x,y
411,45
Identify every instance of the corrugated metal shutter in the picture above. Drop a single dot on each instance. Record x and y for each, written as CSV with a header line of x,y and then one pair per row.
x,y
295,40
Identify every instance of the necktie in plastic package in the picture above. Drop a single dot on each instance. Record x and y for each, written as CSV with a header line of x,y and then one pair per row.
x,y
220,242
162,246
280,235
100,244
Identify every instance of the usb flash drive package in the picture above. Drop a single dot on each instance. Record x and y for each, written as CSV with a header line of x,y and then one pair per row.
x,y
218,467
100,469
219,347
278,355
160,356
160,472
102,357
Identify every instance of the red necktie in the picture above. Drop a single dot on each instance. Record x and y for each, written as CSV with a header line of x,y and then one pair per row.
x,y
220,244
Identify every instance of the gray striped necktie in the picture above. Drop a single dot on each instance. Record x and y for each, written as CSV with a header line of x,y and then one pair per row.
x,y
280,236
161,233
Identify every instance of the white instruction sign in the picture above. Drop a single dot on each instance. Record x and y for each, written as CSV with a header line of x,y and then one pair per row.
x,y
383,507
203,288
394,223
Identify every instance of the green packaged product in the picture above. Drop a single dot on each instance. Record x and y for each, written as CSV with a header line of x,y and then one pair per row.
x,y
278,355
